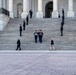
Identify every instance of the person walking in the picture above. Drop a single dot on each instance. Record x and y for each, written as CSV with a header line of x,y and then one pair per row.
x,y
40,33
20,29
35,36
18,45
31,13
61,30
27,19
24,25
52,45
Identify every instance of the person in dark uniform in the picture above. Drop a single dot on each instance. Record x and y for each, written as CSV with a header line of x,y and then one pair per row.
x,y
61,30
63,17
18,45
52,45
31,12
27,19
20,29
40,33
35,36
24,25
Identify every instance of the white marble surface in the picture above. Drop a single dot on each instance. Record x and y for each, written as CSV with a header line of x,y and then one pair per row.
x,y
38,63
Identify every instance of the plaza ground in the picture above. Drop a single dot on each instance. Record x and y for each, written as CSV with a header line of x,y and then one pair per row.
x,y
38,62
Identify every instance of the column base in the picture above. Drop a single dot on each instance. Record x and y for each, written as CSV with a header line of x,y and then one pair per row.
x,y
11,15
39,15
54,14
24,15
70,14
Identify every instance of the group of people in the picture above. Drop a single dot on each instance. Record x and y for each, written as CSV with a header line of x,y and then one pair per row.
x,y
21,28
38,34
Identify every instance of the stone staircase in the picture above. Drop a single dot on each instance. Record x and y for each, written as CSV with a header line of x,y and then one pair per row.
x,y
51,29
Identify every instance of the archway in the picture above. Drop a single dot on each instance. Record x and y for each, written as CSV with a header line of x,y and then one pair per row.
x,y
48,9
19,10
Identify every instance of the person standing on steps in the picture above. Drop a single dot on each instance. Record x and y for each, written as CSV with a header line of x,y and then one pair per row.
x,y
18,45
31,13
35,36
27,19
20,29
24,25
63,16
40,34
52,45
61,30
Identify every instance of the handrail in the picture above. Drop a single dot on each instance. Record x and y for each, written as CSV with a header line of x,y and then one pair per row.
x,y
4,11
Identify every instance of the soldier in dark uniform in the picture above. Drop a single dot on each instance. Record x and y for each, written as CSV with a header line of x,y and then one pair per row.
x,y
18,45
24,25
61,30
20,29
63,16
27,19
35,36
40,36
31,13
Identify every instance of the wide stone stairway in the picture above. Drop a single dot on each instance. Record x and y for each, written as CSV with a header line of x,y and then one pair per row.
x,y
51,29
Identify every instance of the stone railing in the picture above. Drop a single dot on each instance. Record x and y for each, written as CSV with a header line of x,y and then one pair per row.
x,y
4,11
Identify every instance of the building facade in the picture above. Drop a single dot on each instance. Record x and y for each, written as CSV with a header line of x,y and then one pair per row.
x,y
40,8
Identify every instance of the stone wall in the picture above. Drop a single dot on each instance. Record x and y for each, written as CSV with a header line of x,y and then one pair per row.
x,y
3,21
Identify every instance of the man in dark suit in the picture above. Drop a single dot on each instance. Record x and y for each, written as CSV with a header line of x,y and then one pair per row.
x,y
31,13
27,19
35,36
24,25
40,33
20,29
18,45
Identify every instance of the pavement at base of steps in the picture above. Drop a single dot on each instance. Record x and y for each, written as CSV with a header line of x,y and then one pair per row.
x,y
37,62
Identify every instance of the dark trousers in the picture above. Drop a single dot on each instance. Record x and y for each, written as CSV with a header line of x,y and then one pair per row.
x,y
35,39
61,33
30,15
27,22
20,33
40,39
18,47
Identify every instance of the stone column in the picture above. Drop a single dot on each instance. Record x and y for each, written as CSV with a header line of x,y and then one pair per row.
x,y
39,14
55,9
1,4
11,8
70,12
25,8
4,4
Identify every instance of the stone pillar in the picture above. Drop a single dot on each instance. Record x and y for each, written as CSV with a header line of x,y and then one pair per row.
x,y
55,9
39,14
1,4
70,12
11,8
25,8
4,4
